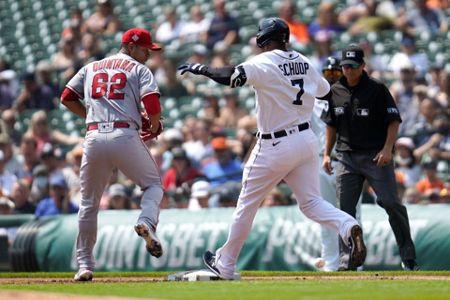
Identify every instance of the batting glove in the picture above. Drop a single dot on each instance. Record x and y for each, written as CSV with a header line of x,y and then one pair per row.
x,y
197,69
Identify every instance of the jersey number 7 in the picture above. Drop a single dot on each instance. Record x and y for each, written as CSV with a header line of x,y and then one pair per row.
x,y
299,83
100,86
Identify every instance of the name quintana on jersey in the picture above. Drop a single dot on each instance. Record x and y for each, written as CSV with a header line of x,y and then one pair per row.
x,y
294,68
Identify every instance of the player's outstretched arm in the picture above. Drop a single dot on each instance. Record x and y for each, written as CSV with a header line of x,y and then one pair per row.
x,y
219,75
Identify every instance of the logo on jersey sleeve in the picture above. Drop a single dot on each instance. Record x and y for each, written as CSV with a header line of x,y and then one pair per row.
x,y
238,78
392,110
339,110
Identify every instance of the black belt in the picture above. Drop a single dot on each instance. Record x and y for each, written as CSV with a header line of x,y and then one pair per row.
x,y
281,133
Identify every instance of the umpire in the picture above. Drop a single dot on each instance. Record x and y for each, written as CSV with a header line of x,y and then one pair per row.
x,y
363,120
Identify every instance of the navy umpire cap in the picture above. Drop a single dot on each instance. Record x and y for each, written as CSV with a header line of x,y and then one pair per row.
x,y
272,29
352,55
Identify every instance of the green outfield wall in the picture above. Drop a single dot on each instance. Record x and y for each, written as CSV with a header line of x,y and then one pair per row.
x,y
281,239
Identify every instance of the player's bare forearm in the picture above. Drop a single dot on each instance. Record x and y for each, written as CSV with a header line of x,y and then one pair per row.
x,y
391,135
330,140
76,107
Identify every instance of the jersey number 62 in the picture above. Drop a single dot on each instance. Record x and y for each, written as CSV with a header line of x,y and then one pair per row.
x,y
100,86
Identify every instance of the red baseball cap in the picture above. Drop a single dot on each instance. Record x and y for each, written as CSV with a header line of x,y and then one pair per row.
x,y
140,37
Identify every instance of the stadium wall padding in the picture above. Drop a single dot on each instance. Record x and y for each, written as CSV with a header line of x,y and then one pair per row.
x,y
281,239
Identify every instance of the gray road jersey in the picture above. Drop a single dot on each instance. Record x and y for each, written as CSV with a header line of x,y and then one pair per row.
x,y
113,87
286,85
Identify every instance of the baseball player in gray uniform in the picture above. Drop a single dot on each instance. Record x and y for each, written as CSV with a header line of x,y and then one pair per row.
x,y
286,85
116,91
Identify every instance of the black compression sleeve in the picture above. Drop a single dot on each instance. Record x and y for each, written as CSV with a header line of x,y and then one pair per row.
x,y
219,75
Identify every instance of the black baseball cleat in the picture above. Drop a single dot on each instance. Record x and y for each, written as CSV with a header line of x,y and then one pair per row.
x,y
153,245
358,250
410,265
209,259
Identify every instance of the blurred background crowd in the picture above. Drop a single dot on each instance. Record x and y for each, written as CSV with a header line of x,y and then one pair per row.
x,y
209,129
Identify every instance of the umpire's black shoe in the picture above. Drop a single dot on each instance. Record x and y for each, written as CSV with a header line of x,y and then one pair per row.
x,y
410,265
357,248
209,259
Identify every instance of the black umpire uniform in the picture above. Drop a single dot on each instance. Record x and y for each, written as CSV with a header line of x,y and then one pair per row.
x,y
358,121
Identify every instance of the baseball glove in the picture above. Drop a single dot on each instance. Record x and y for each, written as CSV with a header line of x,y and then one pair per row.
x,y
145,132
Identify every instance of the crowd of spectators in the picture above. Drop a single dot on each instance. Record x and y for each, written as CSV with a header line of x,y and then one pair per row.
x,y
201,157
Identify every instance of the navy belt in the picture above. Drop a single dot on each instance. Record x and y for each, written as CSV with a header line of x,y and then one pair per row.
x,y
281,133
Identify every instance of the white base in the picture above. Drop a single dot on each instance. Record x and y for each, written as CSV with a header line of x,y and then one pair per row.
x,y
199,275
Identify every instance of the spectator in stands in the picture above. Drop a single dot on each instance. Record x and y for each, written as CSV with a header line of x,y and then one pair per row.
x,y
50,157
198,146
66,61
7,179
21,197
438,145
7,94
424,133
402,91
211,107
91,49
275,198
71,173
199,56
28,155
34,95
195,29
245,134
430,184
365,17
171,87
322,49
226,195
223,26
180,172
200,193
168,140
6,206
40,130
405,162
75,26
118,198
221,55
171,28
45,77
59,201
8,78
12,161
436,88
9,119
298,30
326,20
231,112
223,167
39,185
408,53
422,19
103,21
375,65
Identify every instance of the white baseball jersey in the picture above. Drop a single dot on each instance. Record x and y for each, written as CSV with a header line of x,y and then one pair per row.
x,y
113,88
286,85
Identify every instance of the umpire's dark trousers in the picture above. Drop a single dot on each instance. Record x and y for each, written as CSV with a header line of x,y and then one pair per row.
x,y
351,170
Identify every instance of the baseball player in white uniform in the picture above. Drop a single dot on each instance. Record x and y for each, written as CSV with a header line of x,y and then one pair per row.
x,y
286,85
116,91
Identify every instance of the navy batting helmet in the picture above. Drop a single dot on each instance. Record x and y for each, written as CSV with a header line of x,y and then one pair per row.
x,y
272,29
332,63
